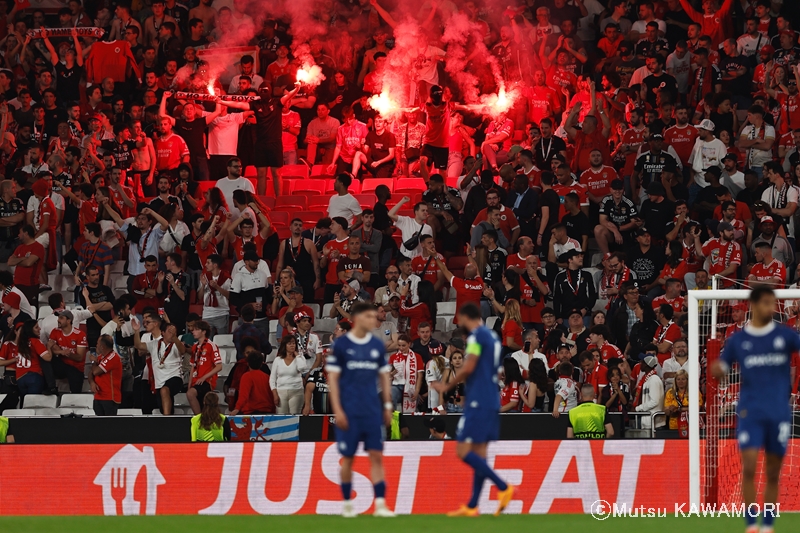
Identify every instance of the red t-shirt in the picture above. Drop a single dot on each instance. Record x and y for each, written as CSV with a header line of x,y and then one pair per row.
x,y
332,277
508,221
71,342
721,257
255,394
515,260
417,313
682,140
204,253
563,190
467,290
438,124
527,313
431,273
510,393
513,330
28,276
599,183
110,380
87,213
633,138
238,247
584,144
563,79
204,358
9,352
678,272
25,365
542,100
141,283
677,304
47,207
127,212
669,333
607,351
170,151
775,269
597,378
790,112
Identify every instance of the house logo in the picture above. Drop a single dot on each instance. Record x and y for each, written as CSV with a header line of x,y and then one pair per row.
x,y
118,479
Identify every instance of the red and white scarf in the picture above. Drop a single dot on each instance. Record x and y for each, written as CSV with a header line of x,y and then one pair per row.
x,y
410,370
212,294
638,400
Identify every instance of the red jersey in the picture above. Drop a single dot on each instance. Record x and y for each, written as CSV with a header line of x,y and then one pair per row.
x,y
204,253
170,151
332,277
563,79
110,60
127,212
542,100
669,333
205,357
32,364
677,272
238,247
715,25
722,255
693,264
599,182
432,272
109,382
597,378
563,190
47,207
417,314
71,342
742,212
516,260
775,269
9,352
528,313
437,126
633,138
467,290
28,275
607,351
790,112
584,144
508,221
510,393
87,213
141,283
734,328
682,140
513,330
534,176
678,304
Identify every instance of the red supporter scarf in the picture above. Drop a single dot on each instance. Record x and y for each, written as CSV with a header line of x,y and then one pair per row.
x,y
97,33
637,402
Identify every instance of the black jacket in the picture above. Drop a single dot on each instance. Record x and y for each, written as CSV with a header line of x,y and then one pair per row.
x,y
573,290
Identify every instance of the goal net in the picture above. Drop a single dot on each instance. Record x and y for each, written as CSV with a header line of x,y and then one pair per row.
x,y
715,469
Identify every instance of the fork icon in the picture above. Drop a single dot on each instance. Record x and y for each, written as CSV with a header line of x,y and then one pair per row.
x,y
119,479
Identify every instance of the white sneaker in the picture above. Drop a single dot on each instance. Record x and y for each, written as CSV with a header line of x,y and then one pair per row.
x,y
381,510
347,510
767,529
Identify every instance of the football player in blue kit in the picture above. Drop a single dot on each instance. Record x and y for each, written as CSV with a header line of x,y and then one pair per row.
x,y
480,422
356,363
762,351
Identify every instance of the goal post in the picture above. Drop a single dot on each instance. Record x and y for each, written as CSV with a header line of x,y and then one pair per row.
x,y
705,342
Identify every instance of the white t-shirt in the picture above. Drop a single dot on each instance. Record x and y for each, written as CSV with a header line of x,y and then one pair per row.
x,y
168,244
408,228
566,394
227,186
641,26
223,135
223,306
240,268
748,45
586,25
706,154
170,368
345,206
522,359
755,156
734,182
671,365
772,196
432,374
681,68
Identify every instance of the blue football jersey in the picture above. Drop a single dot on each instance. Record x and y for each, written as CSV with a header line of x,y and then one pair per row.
x,y
481,388
764,358
359,361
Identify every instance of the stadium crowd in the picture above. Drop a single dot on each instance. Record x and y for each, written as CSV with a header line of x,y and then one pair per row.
x,y
643,149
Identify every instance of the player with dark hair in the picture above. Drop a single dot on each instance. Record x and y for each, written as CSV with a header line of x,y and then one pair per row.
x,y
356,361
480,423
762,351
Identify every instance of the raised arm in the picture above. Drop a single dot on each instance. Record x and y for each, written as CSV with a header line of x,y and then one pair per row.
x,y
161,220
393,212
162,107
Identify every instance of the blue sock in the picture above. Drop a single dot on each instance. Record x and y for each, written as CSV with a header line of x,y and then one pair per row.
x,y
380,489
751,514
768,518
347,489
479,464
477,487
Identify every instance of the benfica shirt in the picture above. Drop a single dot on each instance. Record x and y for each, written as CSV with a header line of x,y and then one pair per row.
x,y
634,138
431,273
775,269
722,255
650,166
682,141
205,357
599,182
677,303
790,112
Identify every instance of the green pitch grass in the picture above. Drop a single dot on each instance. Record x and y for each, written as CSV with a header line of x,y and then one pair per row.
x,y
367,524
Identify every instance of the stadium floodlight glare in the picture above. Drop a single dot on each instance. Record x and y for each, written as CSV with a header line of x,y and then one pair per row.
x,y
706,314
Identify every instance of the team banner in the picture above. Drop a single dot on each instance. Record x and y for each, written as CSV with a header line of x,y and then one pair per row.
x,y
423,477
83,31
265,428
211,98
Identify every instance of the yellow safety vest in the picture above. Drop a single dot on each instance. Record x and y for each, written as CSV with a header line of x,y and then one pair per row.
x,y
215,434
588,421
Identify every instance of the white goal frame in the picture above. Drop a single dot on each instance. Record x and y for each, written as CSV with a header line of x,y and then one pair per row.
x,y
692,302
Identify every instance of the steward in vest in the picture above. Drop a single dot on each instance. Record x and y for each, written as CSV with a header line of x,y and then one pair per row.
x,y
589,420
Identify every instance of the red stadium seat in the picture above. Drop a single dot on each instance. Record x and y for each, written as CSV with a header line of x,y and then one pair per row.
x,y
300,201
250,171
202,187
311,185
451,182
366,200
305,194
371,184
410,183
319,170
280,218
284,233
268,201
457,263
319,201
294,170
518,136
311,217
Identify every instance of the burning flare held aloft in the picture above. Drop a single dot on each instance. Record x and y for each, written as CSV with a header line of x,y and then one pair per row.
x,y
310,75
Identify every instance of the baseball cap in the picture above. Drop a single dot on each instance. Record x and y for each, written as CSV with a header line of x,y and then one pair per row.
x,y
564,347
569,254
656,189
355,285
297,288
767,220
514,150
741,306
714,170
394,295
300,316
435,423
706,124
651,361
66,314
767,49
724,226
656,137
640,232
457,342
730,157
251,256
96,116
574,312
617,185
